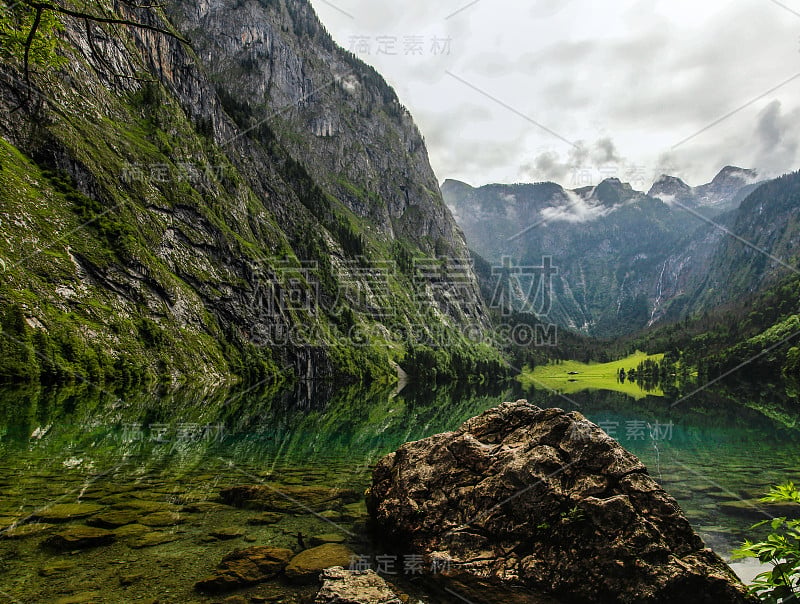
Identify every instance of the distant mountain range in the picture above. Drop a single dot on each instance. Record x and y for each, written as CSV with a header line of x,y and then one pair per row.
x,y
627,259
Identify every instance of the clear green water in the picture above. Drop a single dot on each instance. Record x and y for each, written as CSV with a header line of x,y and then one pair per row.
x,y
166,452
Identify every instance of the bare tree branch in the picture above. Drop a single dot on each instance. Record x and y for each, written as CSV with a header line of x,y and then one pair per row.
x,y
42,6
29,41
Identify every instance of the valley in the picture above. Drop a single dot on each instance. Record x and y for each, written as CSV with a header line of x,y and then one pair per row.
x,y
252,351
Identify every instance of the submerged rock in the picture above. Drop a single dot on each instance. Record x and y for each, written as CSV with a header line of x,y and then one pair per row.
x,y
545,499
25,530
285,498
265,519
160,519
342,586
226,532
56,568
204,507
145,507
152,539
129,530
113,519
327,538
245,567
306,566
79,537
756,509
65,512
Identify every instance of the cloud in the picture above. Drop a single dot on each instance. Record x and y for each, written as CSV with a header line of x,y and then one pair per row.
x,y
631,78
575,210
605,152
546,166
777,140
583,165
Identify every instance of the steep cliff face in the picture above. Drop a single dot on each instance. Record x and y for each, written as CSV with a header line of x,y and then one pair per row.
x,y
332,112
164,213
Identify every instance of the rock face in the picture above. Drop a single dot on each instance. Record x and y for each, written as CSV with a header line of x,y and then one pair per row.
x,y
547,500
342,586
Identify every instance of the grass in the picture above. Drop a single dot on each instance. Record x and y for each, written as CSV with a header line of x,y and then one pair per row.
x,y
570,377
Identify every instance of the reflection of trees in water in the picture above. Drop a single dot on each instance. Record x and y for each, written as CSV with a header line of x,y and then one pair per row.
x,y
309,422
315,423
648,375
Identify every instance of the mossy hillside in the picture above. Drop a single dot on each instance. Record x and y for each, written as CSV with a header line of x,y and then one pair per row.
x,y
118,230
79,330
140,272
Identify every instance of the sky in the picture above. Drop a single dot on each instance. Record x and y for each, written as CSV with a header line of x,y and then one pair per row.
x,y
575,91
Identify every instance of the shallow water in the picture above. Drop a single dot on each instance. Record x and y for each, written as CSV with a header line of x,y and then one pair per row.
x,y
142,454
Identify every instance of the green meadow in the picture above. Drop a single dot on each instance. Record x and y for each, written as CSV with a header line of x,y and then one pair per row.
x,y
569,377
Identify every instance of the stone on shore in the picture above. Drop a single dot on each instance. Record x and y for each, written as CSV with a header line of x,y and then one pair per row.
x,y
342,586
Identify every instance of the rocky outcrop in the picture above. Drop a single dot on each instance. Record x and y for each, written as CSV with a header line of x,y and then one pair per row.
x,y
545,499
342,586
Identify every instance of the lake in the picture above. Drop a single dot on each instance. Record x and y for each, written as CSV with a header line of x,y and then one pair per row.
x,y
154,464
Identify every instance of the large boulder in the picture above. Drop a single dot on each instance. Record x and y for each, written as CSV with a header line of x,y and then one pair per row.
x,y
547,500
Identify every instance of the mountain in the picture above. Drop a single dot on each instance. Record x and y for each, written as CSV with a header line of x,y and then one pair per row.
x,y
625,259
759,247
670,189
608,244
255,203
725,192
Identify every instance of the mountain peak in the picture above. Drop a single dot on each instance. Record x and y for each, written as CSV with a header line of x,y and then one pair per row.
x,y
452,183
669,188
616,182
734,173
612,191
666,179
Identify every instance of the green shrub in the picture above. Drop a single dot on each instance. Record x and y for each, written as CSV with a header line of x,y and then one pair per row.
x,y
781,549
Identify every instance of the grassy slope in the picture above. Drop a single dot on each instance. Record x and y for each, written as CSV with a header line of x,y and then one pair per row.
x,y
594,376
